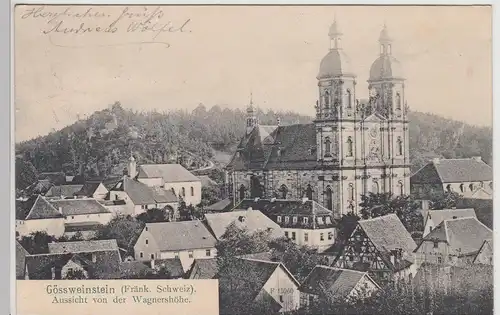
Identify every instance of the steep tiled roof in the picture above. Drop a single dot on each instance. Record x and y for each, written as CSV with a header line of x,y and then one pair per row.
x,y
260,148
465,236
82,226
438,216
172,265
171,173
88,189
21,254
203,269
56,178
252,220
79,206
336,282
36,208
285,207
388,233
453,171
82,246
63,190
486,250
142,194
41,186
106,265
222,205
174,236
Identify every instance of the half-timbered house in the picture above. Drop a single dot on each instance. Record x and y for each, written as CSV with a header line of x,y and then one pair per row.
x,y
381,246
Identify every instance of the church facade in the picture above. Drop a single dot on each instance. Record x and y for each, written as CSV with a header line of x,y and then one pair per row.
x,y
351,148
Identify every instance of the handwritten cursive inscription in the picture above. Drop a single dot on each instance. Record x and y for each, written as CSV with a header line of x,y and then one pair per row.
x,y
151,23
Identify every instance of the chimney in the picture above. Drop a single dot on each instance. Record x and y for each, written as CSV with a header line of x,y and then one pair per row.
x,y
425,204
477,158
241,218
152,264
304,199
435,160
273,199
256,199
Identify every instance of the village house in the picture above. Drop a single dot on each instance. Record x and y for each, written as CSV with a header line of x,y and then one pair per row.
x,y
471,178
185,240
93,259
305,222
170,177
63,191
485,254
95,190
139,198
334,284
224,205
383,247
37,214
259,281
433,218
453,242
82,215
250,220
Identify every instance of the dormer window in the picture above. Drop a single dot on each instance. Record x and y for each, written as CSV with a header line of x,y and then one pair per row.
x,y
328,220
320,220
287,219
306,220
278,219
294,220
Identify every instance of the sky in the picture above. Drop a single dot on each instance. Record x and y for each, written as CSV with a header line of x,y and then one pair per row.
x,y
218,55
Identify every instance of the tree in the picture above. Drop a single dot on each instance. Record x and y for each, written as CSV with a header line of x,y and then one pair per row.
x,y
73,274
153,215
26,173
124,229
209,195
445,200
37,242
375,205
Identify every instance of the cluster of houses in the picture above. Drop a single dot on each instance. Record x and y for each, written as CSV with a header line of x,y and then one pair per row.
x,y
378,252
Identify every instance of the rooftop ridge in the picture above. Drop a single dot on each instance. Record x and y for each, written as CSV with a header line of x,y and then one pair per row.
x,y
341,269
378,218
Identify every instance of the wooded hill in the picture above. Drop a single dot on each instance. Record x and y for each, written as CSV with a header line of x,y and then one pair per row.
x,y
101,144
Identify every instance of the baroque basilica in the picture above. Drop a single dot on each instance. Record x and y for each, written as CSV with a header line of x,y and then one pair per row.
x,y
351,148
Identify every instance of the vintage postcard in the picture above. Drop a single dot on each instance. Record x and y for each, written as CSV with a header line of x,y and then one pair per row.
x,y
253,160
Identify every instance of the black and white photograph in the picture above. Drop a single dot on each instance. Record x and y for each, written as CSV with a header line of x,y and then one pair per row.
x,y
311,159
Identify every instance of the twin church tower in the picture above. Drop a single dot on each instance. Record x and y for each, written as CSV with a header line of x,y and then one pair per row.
x,y
352,147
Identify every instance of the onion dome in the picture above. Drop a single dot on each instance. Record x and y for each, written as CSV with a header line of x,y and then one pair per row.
x,y
336,62
386,67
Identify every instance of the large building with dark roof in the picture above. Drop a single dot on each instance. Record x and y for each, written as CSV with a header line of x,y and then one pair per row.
x,y
351,148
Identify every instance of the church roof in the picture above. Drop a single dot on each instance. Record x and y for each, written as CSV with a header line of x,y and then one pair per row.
x,y
453,171
335,63
386,67
280,147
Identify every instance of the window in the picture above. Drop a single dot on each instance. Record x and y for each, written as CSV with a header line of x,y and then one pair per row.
x,y
309,192
294,220
328,220
190,253
306,220
208,253
173,190
94,258
287,219
278,219
146,228
350,191
400,146
330,236
440,260
255,187
349,99
286,234
306,237
436,244
320,220
327,99
242,192
176,254
141,254
284,191
471,187
401,188
398,101
327,146
293,236
349,147
183,192
192,191
375,187
70,270
448,188
329,198
72,216
152,256
321,236
147,241
144,207
281,299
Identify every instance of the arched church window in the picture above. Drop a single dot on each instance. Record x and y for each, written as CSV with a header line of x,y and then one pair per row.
x,y
328,145
349,146
471,187
349,99
448,188
242,192
327,99
400,146
329,198
462,187
375,188
255,187
401,188
398,101
309,192
389,49
350,191
284,191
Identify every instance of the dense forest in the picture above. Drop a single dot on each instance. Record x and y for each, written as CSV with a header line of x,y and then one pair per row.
x,y
101,144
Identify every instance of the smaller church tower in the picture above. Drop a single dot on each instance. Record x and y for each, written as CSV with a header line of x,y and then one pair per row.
x,y
251,120
132,167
